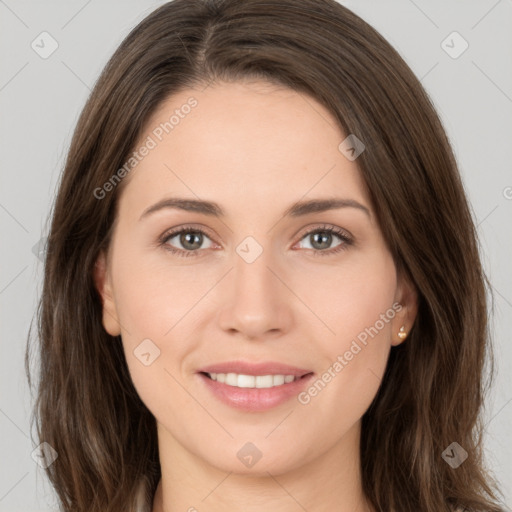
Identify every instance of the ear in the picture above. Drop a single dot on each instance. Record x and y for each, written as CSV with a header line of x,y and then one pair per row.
x,y
407,296
103,285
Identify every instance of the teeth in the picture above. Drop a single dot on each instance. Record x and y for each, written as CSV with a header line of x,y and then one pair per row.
x,y
252,381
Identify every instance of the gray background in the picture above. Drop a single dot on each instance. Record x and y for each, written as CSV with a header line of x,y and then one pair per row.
x,y
40,100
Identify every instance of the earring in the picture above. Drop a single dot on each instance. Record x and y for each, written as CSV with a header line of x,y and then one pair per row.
x,y
402,334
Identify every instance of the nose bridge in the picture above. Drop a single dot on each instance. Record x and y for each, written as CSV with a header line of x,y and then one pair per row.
x,y
254,281
251,269
258,301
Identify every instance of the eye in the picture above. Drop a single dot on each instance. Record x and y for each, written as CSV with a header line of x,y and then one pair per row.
x,y
323,236
192,238
189,237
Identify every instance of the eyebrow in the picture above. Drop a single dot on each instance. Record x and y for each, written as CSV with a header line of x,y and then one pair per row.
x,y
213,209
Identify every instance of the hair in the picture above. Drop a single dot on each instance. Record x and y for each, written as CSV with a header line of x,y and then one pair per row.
x,y
432,393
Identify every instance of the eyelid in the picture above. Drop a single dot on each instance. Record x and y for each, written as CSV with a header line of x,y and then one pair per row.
x,y
187,227
325,227
171,233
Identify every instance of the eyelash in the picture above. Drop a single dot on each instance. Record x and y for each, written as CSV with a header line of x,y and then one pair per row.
x,y
343,235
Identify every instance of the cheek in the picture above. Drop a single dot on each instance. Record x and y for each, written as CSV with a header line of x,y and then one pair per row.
x,y
360,312
151,305
156,333
153,293
364,313
350,297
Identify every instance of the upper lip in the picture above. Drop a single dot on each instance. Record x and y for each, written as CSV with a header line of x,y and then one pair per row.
x,y
247,368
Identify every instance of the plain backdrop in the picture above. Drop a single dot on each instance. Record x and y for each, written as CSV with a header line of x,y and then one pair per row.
x,y
41,98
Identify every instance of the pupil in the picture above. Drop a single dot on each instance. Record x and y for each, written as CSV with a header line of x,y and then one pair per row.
x,y
326,238
186,240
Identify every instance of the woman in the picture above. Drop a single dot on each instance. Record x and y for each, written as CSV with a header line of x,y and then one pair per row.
x,y
195,354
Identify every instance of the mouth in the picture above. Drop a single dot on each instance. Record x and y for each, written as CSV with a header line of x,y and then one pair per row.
x,y
254,387
240,380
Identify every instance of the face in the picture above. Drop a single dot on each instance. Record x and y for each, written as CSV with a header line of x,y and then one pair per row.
x,y
252,283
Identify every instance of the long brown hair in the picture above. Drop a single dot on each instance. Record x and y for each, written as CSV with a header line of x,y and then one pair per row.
x,y
432,392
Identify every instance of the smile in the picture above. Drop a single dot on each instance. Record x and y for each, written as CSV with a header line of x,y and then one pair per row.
x,y
253,393
252,381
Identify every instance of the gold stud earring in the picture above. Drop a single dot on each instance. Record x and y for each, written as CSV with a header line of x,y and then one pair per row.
x,y
402,334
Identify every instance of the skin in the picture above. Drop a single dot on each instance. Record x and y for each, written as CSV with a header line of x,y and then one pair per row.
x,y
255,149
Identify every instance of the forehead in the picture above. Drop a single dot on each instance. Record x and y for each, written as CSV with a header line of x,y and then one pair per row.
x,y
243,145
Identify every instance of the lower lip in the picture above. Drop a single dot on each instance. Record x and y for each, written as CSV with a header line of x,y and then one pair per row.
x,y
255,399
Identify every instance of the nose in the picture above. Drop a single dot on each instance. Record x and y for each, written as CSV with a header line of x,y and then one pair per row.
x,y
256,302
